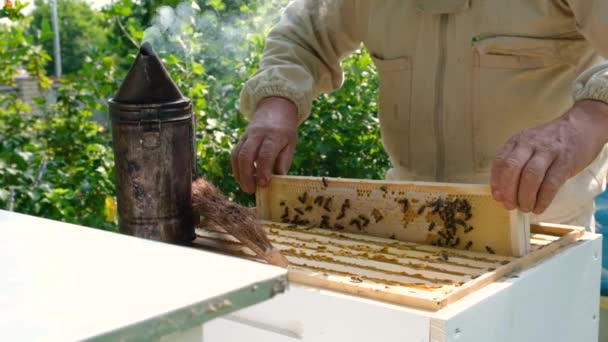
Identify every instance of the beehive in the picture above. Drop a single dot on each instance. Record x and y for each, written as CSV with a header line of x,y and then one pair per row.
x,y
413,274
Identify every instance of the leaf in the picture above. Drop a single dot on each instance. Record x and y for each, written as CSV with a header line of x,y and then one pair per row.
x,y
4,195
197,68
110,212
217,5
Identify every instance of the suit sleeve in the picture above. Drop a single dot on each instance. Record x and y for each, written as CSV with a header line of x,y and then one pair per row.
x,y
592,22
303,52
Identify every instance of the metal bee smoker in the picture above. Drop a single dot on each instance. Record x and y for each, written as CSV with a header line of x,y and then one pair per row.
x,y
153,139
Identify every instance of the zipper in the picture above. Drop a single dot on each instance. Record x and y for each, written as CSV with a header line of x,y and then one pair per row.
x,y
439,98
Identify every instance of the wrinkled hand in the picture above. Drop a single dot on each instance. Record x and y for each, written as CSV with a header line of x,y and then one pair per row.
x,y
534,164
267,145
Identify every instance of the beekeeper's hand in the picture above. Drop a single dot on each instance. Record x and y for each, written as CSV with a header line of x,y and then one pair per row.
x,y
267,145
534,164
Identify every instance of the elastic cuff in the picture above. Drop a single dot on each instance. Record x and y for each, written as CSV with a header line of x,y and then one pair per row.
x,y
592,85
251,97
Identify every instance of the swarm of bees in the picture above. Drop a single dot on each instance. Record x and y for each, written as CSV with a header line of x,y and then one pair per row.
x,y
453,213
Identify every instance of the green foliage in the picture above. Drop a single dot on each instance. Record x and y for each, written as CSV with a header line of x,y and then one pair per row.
x,y
342,136
81,32
54,162
12,10
59,165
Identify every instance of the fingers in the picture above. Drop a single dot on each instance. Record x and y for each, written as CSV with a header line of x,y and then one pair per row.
x,y
284,160
246,156
234,158
266,160
531,178
255,157
555,177
506,171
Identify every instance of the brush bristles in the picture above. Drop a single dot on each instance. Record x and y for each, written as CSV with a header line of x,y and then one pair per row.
x,y
242,223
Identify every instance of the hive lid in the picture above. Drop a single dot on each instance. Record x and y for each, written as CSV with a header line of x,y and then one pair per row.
x,y
147,82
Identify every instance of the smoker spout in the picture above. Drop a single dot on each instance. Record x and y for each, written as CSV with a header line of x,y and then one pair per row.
x,y
148,82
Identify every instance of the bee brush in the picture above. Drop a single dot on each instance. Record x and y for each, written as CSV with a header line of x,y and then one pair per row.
x,y
238,221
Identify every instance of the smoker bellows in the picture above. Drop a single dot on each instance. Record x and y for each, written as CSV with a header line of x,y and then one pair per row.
x,y
153,137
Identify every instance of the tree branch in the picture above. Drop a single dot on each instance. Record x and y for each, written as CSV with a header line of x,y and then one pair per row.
x,y
124,30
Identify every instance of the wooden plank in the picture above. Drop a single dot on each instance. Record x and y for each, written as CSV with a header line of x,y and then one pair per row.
x,y
554,229
377,208
514,266
324,282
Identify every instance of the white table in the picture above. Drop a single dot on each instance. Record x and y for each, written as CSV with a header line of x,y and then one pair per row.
x,y
62,282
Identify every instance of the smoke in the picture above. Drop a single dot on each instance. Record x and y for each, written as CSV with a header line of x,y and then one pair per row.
x,y
192,34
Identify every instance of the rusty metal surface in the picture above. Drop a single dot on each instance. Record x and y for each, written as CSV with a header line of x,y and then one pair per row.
x,y
153,140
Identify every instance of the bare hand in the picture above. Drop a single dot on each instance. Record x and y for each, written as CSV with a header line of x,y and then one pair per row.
x,y
534,164
267,145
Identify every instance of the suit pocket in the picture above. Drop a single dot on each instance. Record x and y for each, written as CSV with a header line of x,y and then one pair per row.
x,y
395,76
518,83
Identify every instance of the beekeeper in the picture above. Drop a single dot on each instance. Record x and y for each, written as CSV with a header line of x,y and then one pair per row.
x,y
510,93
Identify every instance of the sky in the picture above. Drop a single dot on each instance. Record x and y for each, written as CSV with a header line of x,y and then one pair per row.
x,y
97,4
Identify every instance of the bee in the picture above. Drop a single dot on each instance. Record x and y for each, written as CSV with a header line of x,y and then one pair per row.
x,y
456,242
490,250
467,230
303,198
346,204
365,220
338,226
444,256
431,226
437,205
421,210
341,216
324,222
469,245
285,213
356,279
318,200
383,189
282,203
356,222
377,215
303,222
296,219
308,208
327,205
299,211
460,222
405,203
324,181
285,220
392,237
